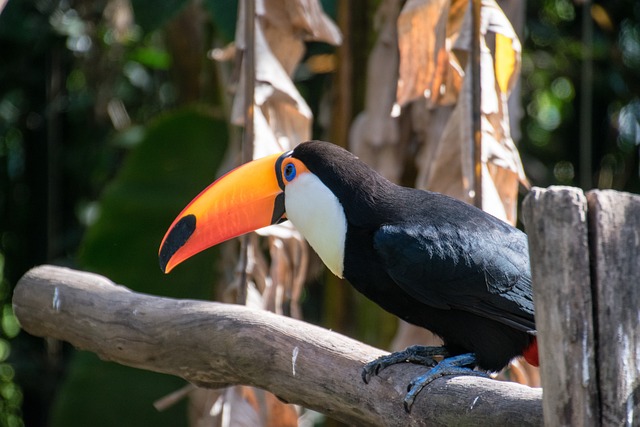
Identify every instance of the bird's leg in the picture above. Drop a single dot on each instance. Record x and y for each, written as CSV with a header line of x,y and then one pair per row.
x,y
418,354
462,364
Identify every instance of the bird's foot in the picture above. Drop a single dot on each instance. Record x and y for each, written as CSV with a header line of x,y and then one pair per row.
x,y
456,365
418,354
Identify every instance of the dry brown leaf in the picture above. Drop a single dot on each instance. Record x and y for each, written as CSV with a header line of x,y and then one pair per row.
x,y
239,406
236,410
222,408
419,43
520,371
282,119
273,412
440,160
445,164
281,273
299,250
201,402
506,56
426,31
306,19
449,170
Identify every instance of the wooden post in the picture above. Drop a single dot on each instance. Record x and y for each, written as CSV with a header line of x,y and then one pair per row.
x,y
556,221
585,264
614,225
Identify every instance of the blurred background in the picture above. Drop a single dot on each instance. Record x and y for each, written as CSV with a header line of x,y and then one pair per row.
x,y
115,113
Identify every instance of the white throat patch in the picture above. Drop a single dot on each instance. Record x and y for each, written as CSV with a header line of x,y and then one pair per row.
x,y
318,215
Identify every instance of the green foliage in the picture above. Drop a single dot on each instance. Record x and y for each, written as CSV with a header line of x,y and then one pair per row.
x,y
10,393
98,393
151,57
177,157
552,78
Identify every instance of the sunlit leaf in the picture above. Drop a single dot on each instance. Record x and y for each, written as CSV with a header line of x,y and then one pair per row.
x,y
10,325
152,57
506,62
4,350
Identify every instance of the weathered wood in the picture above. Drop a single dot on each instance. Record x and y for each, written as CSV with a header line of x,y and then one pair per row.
x,y
614,225
556,222
213,345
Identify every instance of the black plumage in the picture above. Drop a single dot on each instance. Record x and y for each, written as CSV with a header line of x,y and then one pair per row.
x,y
432,260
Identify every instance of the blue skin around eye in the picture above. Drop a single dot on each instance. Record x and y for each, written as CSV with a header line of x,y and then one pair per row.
x,y
289,172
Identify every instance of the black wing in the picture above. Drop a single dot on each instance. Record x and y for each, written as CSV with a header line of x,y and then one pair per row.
x,y
479,269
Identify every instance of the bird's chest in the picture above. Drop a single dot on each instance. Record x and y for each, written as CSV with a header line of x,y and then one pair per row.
x,y
318,215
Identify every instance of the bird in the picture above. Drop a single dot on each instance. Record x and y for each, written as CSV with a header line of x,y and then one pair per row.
x,y
432,260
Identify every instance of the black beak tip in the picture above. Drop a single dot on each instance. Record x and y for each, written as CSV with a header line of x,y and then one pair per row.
x,y
177,237
163,262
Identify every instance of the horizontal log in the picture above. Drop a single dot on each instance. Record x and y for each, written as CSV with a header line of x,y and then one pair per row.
x,y
214,345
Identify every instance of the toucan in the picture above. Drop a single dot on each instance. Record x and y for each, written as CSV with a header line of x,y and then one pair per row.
x,y
432,260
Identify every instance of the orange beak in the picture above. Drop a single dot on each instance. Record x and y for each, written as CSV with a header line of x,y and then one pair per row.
x,y
245,199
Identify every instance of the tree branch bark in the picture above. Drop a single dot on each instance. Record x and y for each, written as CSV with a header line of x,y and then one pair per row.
x,y
213,345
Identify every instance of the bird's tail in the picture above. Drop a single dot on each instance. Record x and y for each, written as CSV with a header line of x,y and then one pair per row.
x,y
531,353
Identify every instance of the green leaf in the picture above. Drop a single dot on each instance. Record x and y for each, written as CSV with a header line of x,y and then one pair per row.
x,y
10,325
152,57
177,157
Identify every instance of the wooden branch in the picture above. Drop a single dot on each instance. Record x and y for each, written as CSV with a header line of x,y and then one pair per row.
x,y
213,345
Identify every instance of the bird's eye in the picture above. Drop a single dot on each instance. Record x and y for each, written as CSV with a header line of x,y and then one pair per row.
x,y
289,171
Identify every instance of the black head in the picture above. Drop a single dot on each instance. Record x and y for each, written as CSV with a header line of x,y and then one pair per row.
x,y
361,190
